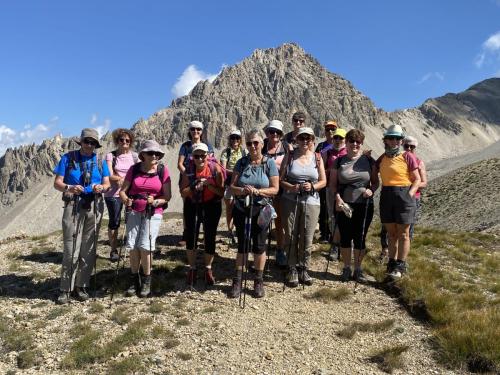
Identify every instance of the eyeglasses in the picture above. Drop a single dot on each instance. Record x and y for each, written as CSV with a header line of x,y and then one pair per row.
x,y
195,130
304,139
200,156
90,141
354,141
330,129
253,143
234,138
338,138
409,147
392,138
299,120
153,153
124,140
274,131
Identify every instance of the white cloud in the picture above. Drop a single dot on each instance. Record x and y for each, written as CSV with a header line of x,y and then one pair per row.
x,y
102,127
189,78
11,138
431,75
490,51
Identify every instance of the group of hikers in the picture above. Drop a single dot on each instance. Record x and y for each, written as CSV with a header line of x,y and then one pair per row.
x,y
282,180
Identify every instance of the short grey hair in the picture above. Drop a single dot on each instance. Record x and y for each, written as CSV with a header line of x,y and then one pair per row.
x,y
254,133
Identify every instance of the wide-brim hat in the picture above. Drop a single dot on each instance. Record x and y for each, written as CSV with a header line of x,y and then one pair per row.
x,y
235,132
200,147
196,124
340,132
306,130
89,133
274,124
412,141
394,131
151,145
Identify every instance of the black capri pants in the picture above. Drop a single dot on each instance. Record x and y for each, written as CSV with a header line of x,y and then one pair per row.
x,y
259,235
114,205
209,214
352,229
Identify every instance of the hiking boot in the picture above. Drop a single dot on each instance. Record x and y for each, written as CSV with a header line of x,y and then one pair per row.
x,y
399,270
281,258
113,256
145,287
235,289
81,294
292,278
333,254
209,277
346,274
305,278
258,288
135,285
63,298
191,277
232,238
391,265
359,277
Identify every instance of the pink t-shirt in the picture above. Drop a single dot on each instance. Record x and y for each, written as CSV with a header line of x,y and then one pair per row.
x,y
145,185
123,164
333,154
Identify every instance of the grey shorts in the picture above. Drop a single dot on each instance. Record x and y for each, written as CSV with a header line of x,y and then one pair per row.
x,y
396,205
138,230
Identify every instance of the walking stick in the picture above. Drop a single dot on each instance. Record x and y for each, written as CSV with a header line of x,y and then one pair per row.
x,y
269,228
149,213
246,249
304,245
196,232
95,246
362,237
124,236
331,248
293,234
76,230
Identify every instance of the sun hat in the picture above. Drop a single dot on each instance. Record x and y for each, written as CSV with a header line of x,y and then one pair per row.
x,y
340,132
306,130
89,133
151,145
200,147
274,124
235,132
331,123
412,141
196,124
394,131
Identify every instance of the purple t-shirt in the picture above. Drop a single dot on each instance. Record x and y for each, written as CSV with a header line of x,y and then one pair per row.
x,y
123,164
144,184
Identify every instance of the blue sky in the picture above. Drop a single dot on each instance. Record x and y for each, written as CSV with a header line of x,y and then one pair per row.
x,y
65,65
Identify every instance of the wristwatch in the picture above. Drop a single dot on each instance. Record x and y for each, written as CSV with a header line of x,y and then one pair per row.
x,y
66,188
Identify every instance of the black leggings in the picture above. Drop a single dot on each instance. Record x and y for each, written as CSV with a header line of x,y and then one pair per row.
x,y
352,229
208,214
259,235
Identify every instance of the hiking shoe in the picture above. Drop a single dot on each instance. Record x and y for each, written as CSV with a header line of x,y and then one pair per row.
x,y
191,277
359,277
81,294
135,285
346,274
292,278
209,277
63,298
391,265
305,278
281,260
145,287
258,288
333,254
399,270
232,238
113,256
235,288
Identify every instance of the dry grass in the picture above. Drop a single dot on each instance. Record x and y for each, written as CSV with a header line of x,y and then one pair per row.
x,y
121,316
349,331
389,358
156,307
171,343
327,295
96,307
130,365
184,356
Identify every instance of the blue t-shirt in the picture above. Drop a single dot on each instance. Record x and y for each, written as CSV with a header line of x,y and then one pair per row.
x,y
74,175
255,175
187,149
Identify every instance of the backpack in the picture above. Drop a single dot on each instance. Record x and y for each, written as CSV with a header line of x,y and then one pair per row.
x,y
160,171
212,164
246,162
75,160
135,156
289,162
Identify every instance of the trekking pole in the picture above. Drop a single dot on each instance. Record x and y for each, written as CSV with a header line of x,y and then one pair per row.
x,y
149,213
304,244
246,249
331,248
95,246
362,237
124,236
293,232
269,228
76,230
196,232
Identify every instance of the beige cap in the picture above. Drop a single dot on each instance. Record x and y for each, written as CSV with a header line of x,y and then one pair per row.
x,y
412,141
274,124
200,147
196,124
306,130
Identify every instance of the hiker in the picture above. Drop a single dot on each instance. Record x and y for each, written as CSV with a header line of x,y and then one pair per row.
x,y
354,180
195,135
329,156
82,176
119,161
202,187
275,149
255,175
400,181
329,127
302,175
298,121
146,191
231,154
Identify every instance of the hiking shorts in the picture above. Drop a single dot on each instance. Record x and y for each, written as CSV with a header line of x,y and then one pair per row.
x,y
138,230
396,205
114,205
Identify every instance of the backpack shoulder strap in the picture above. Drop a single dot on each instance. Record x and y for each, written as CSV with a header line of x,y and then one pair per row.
x,y
317,155
160,171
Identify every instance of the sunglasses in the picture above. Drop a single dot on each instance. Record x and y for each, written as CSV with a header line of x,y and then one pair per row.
x,y
124,140
354,141
299,120
338,138
234,138
330,129
200,156
153,153
90,141
409,147
392,138
274,131
253,143
304,139
195,130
